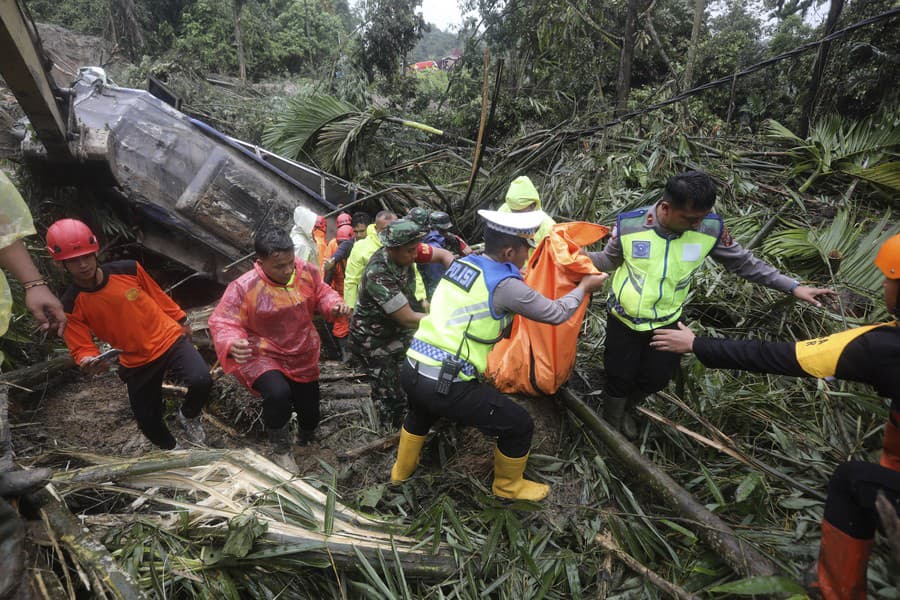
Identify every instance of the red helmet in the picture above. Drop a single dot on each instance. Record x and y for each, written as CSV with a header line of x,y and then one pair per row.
x,y
344,219
69,238
321,224
344,232
888,258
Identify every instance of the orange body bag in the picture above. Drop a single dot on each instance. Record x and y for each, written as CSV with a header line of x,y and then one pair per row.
x,y
538,358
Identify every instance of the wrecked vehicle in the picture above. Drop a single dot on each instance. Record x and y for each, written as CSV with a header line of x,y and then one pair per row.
x,y
197,195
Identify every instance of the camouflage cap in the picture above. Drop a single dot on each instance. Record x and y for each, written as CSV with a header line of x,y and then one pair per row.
x,y
440,220
418,215
401,232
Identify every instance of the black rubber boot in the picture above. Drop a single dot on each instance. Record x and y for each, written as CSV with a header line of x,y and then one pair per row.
x,y
629,419
19,483
305,436
614,410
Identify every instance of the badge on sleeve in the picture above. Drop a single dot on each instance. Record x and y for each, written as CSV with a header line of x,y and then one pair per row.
x,y
726,240
640,249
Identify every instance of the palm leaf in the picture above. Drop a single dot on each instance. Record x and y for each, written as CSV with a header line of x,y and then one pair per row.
x,y
341,141
295,131
855,241
886,174
839,145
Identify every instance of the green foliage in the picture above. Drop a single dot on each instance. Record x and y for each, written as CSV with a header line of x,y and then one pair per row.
x,y
306,37
434,45
207,35
865,149
84,16
392,29
753,586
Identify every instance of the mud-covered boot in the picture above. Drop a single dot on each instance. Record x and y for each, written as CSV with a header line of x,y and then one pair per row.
x,y
282,450
614,410
629,418
193,429
344,345
305,436
19,483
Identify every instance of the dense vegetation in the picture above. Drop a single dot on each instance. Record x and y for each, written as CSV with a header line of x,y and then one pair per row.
x,y
806,146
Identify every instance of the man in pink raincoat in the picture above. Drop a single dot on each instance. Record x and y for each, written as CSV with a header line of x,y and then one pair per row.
x,y
265,337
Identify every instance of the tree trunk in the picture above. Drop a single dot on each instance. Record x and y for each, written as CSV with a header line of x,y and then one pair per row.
x,y
623,82
648,25
238,8
737,553
834,13
699,10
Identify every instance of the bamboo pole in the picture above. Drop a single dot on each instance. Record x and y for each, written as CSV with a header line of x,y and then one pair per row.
x,y
89,552
34,372
737,553
379,444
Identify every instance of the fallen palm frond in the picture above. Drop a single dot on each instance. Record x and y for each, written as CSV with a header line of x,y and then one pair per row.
x,y
854,241
859,148
267,518
335,132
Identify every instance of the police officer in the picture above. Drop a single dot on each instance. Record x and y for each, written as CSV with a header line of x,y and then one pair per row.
x,y
869,354
385,317
472,307
660,247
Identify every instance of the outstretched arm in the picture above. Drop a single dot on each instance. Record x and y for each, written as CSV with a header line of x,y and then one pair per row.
x,y
778,358
46,308
513,295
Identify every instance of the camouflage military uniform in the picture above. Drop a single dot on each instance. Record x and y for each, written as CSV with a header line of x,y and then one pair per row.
x,y
377,340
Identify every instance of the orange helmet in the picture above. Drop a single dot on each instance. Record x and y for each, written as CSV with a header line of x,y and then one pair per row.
x,y
344,219
344,232
69,238
888,258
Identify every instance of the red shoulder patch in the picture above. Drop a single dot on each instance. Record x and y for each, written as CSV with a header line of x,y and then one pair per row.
x,y
726,240
424,252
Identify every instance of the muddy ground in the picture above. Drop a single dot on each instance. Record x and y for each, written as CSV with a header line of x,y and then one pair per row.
x,y
75,413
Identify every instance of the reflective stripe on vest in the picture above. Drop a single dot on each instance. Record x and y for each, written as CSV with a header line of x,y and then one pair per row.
x,y
461,318
650,287
819,357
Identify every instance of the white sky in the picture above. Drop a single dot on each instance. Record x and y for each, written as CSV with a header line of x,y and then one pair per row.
x,y
443,13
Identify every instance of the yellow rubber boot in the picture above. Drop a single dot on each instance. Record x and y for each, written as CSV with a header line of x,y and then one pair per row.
x,y
407,455
508,480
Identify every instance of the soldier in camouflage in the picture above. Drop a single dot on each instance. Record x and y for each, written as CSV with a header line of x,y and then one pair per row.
x,y
384,320
419,216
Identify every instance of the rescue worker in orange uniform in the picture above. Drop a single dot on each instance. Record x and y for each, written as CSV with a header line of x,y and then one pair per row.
x,y
333,268
122,305
319,230
869,354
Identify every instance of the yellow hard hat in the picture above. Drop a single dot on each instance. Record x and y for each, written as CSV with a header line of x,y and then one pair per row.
x,y
888,258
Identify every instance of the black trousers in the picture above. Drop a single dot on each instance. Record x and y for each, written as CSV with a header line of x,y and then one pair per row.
x,y
632,366
468,403
183,363
281,396
851,497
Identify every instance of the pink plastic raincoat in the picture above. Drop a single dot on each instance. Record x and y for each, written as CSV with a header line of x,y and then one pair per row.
x,y
277,321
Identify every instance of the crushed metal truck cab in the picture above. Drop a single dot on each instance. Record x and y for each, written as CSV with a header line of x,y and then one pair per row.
x,y
200,194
